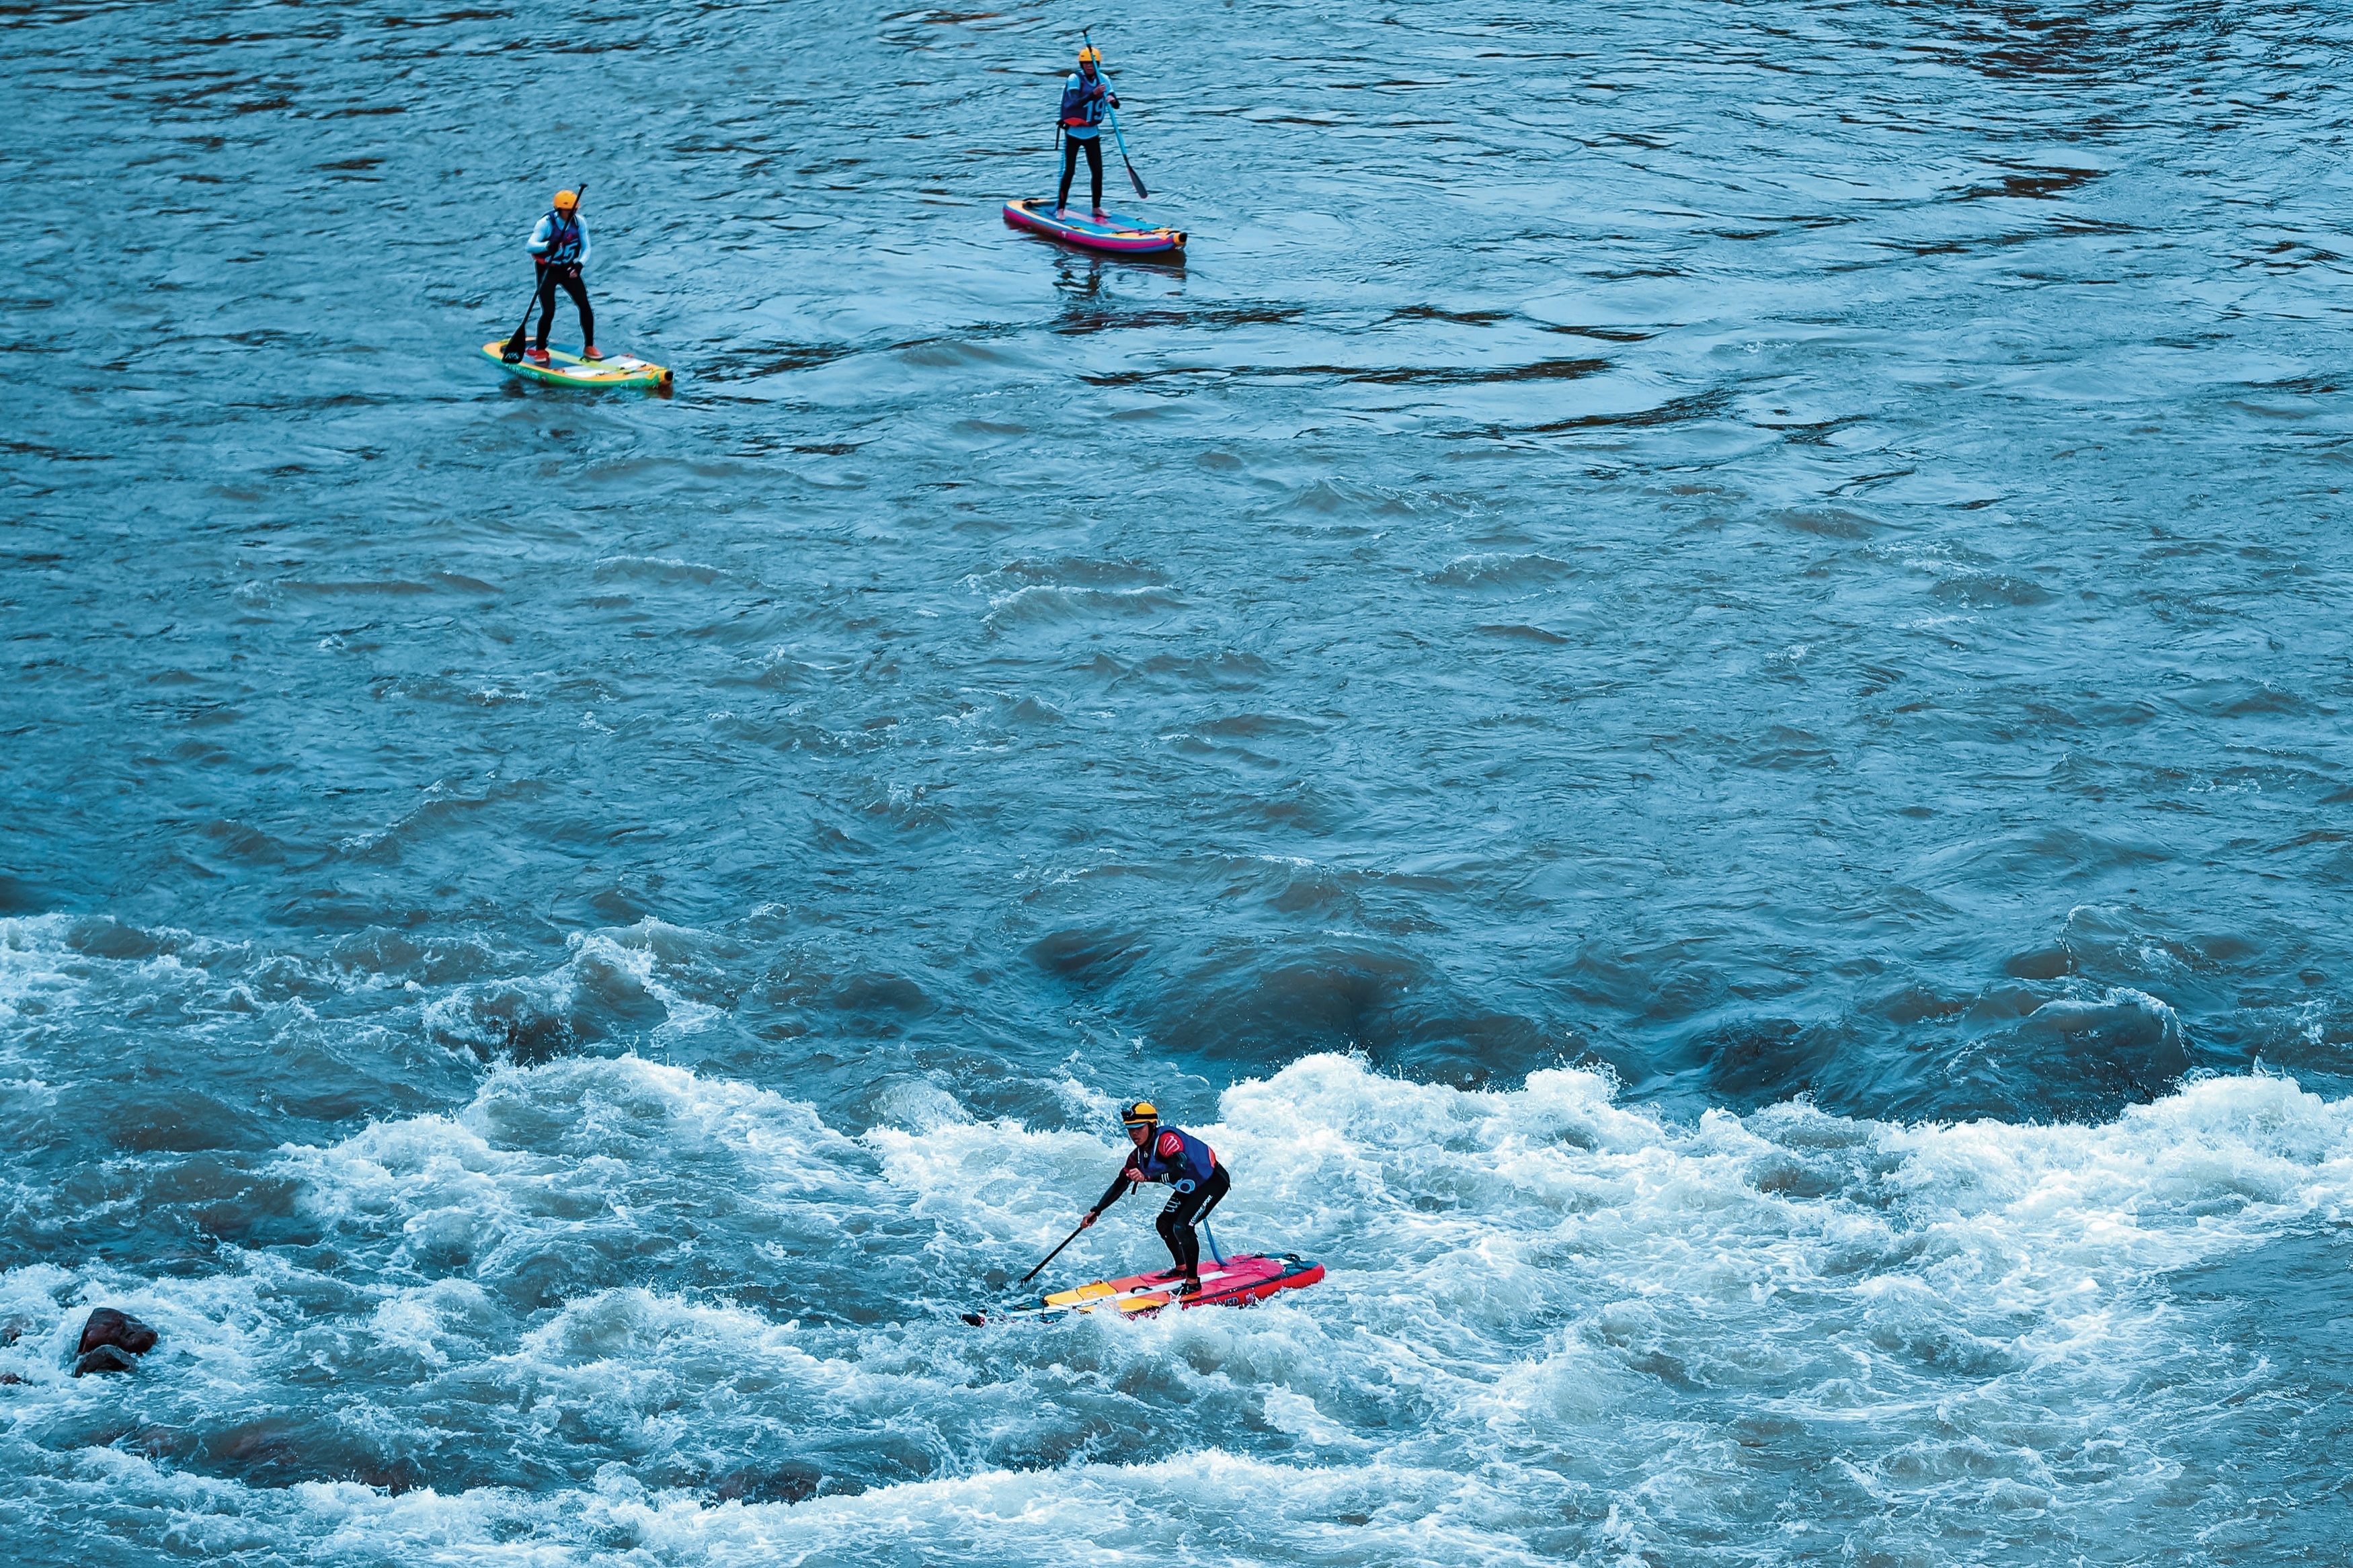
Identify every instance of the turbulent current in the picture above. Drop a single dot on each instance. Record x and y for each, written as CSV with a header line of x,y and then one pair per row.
x,y
1685,687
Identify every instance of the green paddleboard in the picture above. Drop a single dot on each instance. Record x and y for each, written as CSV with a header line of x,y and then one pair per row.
x,y
569,370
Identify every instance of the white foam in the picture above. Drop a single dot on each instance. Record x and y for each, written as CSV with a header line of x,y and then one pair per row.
x,y
568,1148
34,964
651,958
1554,1331
1170,1510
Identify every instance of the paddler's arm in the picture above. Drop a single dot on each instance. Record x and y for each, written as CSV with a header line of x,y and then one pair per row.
x,y
541,238
580,262
1127,1177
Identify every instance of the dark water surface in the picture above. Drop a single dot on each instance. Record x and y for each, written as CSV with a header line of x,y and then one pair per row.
x,y
1686,687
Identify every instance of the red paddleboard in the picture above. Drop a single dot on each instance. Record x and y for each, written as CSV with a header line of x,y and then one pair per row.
x,y
1236,1282
1111,232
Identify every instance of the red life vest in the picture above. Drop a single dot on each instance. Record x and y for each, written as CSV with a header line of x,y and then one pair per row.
x,y
1176,1157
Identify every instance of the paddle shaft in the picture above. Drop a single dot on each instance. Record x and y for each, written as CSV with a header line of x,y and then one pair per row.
x,y
513,350
1132,177
1051,1256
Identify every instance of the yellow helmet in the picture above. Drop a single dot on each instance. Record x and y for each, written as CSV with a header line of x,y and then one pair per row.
x,y
566,200
1140,1114
1089,55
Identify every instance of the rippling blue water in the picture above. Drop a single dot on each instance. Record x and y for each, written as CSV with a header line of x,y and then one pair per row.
x,y
1685,687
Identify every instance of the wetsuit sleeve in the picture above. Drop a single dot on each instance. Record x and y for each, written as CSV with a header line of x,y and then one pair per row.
x,y
539,238
581,261
1111,1193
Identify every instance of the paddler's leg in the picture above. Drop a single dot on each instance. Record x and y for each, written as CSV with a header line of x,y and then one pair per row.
x,y
1210,1193
1174,1232
1070,167
1176,1221
1214,1191
577,287
1094,169
546,310
1185,1244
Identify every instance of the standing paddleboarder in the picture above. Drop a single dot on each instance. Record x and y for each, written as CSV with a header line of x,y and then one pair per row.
x,y
559,248
1085,97
1173,1155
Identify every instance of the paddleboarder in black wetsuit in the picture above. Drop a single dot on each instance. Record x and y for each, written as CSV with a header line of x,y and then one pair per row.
x,y
559,248
1173,1155
1084,97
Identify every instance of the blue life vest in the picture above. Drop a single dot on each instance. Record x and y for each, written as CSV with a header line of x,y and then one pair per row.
x,y
1185,1165
563,239
1082,105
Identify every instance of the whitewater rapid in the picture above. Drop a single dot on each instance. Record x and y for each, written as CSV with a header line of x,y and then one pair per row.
x,y
1556,1327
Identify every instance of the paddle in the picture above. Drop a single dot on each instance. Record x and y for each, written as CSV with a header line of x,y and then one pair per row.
x,y
1132,177
1053,1255
980,1318
512,352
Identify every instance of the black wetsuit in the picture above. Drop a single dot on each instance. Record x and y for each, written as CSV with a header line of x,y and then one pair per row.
x,y
550,275
1191,1167
566,251
1070,145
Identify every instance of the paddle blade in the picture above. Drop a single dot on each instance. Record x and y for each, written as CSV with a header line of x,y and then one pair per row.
x,y
1135,179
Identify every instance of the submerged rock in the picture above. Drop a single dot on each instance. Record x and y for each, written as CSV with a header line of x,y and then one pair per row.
x,y
2129,1017
108,1327
794,1480
106,1358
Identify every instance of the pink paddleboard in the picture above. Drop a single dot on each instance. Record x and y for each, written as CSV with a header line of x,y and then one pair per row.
x,y
1236,1282
1076,226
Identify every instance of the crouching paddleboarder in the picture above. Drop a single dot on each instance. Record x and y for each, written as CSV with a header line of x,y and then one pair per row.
x,y
559,247
1173,1155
